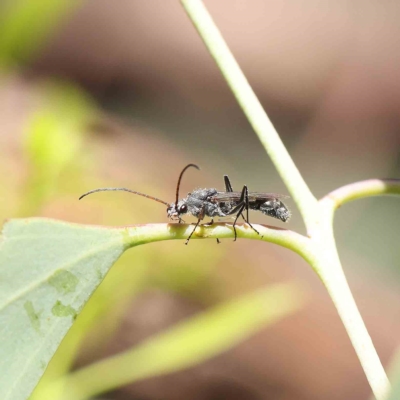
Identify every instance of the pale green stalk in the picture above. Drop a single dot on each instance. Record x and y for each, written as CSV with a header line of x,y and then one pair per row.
x,y
359,190
318,216
149,233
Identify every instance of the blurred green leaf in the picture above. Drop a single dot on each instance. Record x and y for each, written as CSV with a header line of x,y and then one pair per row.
x,y
53,138
48,270
53,133
26,24
186,344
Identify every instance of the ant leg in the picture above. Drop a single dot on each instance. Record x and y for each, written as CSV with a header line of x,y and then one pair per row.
x,y
201,217
247,212
242,204
228,188
237,216
239,207
187,240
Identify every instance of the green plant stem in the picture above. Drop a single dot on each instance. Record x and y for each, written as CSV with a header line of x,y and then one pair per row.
x,y
318,216
328,267
252,108
141,234
336,283
314,251
358,190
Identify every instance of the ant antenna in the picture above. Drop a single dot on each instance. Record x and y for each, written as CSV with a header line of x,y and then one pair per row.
x,y
180,178
124,190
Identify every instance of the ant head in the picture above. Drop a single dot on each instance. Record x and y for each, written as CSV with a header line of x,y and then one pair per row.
x,y
174,211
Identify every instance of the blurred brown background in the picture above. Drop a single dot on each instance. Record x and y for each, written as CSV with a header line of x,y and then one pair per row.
x,y
328,74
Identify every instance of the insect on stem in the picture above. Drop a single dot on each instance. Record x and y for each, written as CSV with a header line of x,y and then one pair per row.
x,y
213,203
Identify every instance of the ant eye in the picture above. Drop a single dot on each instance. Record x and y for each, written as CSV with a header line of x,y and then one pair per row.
x,y
183,208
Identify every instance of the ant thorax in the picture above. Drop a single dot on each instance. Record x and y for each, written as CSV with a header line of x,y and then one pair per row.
x,y
199,203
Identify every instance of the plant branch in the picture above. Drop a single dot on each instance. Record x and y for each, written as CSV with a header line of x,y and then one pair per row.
x,y
252,108
359,190
332,275
335,282
321,250
328,266
141,234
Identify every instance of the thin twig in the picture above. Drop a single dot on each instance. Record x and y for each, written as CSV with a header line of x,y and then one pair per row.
x,y
359,190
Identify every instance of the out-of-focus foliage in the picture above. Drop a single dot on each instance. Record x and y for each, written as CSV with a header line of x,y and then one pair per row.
x,y
53,138
186,344
26,24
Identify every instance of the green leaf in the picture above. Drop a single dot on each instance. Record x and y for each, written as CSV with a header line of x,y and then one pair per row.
x,y
48,270
185,344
